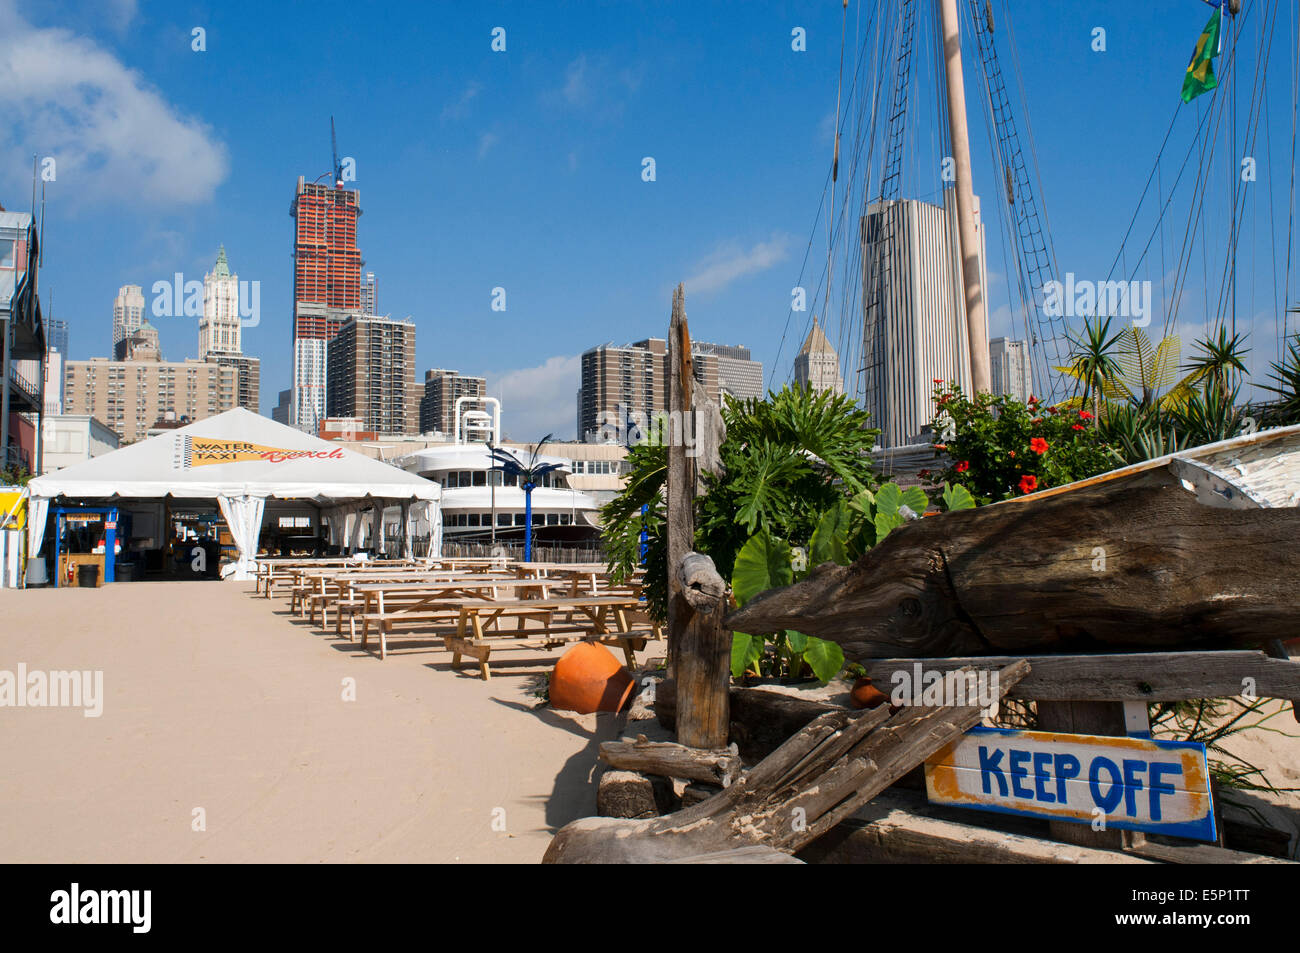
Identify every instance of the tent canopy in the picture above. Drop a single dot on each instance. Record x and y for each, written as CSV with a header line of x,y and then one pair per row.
x,y
237,453
240,459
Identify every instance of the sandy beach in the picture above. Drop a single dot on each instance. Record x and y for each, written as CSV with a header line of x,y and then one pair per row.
x,y
216,699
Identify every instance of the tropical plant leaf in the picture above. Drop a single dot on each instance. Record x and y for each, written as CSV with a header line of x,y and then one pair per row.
x,y
824,658
888,499
746,650
957,497
914,499
796,640
830,538
763,563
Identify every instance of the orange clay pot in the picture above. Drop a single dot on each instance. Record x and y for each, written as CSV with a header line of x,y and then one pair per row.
x,y
866,695
589,678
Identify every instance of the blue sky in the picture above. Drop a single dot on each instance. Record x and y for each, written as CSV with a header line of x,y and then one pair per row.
x,y
523,169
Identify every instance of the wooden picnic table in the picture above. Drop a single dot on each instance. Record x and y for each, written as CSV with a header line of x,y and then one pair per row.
x,y
338,588
475,616
277,570
386,604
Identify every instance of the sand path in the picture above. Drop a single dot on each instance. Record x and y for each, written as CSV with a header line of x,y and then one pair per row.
x,y
216,699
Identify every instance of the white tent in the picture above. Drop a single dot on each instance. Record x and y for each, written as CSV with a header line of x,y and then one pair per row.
x,y
241,459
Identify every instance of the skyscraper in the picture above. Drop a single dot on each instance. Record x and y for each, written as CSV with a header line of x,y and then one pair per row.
x,y
1011,369
372,375
370,294
442,388
914,312
326,288
128,315
817,365
56,335
220,339
219,324
631,382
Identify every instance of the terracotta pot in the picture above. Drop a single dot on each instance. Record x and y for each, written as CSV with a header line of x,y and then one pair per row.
x,y
866,695
588,678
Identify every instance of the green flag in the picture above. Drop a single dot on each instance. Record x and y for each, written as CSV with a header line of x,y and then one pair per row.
x,y
1200,76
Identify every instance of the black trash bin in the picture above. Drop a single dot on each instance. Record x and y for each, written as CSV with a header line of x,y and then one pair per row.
x,y
124,572
87,577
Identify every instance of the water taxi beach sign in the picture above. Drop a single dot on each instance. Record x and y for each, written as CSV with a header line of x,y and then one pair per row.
x,y
1136,784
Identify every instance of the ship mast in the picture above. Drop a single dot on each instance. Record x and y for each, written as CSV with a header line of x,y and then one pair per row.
x,y
976,321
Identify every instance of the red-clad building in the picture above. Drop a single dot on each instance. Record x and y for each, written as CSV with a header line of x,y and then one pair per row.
x,y
327,287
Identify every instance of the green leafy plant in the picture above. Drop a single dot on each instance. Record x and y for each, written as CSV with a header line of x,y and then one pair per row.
x,y
1001,448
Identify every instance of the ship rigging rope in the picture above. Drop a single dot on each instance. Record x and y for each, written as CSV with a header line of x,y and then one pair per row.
x,y
822,204
1290,219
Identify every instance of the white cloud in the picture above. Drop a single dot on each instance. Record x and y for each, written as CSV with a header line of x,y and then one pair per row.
x,y
595,87
460,108
539,400
576,90
486,142
730,261
115,139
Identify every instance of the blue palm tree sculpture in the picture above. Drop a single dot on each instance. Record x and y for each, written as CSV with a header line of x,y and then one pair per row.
x,y
529,475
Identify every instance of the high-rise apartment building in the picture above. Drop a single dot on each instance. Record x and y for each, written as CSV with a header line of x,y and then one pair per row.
x,y
130,396
442,388
219,324
914,312
1011,369
326,288
631,382
738,374
371,375
128,315
817,364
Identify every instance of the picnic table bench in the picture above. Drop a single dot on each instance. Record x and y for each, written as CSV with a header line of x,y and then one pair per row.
x,y
476,616
386,605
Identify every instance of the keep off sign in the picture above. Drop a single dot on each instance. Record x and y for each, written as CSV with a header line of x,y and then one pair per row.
x,y
1136,784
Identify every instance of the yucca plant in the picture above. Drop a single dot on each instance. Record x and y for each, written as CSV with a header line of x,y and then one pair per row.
x,y
1219,360
1286,385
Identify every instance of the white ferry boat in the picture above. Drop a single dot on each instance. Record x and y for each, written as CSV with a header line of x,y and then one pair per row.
x,y
480,503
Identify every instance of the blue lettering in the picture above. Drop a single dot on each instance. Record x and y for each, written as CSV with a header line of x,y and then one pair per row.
x,y
1112,799
1132,784
1158,787
1016,761
989,766
1042,761
1067,767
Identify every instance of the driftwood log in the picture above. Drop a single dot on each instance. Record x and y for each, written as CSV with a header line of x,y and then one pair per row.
x,y
761,720
1131,565
671,760
704,655
812,782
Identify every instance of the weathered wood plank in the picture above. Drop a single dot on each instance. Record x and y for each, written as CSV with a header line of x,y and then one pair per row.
x,y
680,488
896,828
808,785
1136,564
670,760
1140,676
761,720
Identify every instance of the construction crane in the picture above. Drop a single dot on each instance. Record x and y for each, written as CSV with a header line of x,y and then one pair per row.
x,y
338,166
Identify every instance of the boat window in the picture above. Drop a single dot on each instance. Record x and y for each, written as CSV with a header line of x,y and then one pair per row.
x,y
552,519
539,519
450,480
519,519
473,519
564,519
480,478
503,519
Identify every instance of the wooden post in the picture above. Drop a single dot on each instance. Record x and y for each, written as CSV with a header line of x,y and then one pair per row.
x,y
704,655
1086,718
681,471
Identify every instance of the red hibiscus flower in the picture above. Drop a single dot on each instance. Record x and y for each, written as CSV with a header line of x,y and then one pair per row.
x,y
1032,400
1078,427
938,380
963,466
1085,415
1011,453
1038,445
1028,483
1036,420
